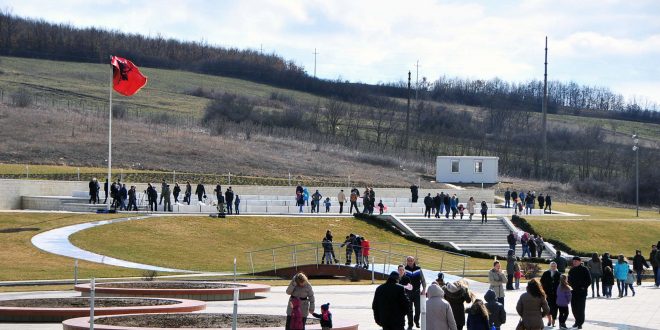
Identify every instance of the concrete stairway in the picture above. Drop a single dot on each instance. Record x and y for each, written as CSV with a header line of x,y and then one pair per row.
x,y
463,234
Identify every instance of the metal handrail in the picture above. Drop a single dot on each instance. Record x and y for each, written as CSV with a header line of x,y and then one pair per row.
x,y
297,256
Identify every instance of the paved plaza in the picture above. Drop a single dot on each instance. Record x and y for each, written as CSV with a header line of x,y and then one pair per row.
x,y
353,302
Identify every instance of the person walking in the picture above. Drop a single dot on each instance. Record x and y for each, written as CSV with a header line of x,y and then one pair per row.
x,y
484,212
428,202
540,246
132,199
595,266
550,281
457,294
390,304
531,244
507,198
608,281
188,193
477,316
564,296
580,280
621,274
639,263
532,306
300,288
439,315
417,280
200,191
654,263
341,198
237,203
471,204
353,199
496,312
510,269
438,205
447,205
524,244
629,283
496,279
453,204
152,195
548,204
365,252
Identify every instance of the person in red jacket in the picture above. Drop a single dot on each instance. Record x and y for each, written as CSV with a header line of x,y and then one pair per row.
x,y
365,253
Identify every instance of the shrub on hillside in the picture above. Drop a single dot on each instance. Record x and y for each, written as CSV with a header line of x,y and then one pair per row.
x,y
21,98
229,107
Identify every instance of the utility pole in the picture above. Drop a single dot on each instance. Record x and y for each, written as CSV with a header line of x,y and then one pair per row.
x,y
408,112
544,132
417,81
315,53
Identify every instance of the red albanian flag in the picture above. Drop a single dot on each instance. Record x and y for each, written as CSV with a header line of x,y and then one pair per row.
x,y
126,77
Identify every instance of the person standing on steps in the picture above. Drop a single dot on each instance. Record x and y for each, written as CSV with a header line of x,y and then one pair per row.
x,y
428,201
550,281
414,191
416,276
471,204
447,205
484,212
341,198
316,201
200,191
188,193
580,280
438,204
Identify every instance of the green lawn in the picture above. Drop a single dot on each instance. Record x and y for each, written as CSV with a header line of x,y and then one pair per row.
x,y
208,244
20,260
595,212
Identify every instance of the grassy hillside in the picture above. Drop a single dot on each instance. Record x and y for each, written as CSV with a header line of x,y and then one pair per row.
x,y
20,260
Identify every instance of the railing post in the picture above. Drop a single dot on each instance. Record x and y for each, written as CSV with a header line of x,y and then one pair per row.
x,y
442,262
251,263
274,263
317,255
92,289
295,258
373,274
464,262
75,272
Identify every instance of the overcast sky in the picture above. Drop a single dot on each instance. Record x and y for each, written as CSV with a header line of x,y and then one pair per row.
x,y
593,42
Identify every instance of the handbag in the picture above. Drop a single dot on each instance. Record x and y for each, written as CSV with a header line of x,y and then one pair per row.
x,y
521,325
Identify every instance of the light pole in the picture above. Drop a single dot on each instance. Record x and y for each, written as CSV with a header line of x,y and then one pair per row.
x,y
635,148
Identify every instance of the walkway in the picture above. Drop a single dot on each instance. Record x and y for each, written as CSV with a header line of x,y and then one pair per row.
x,y
56,241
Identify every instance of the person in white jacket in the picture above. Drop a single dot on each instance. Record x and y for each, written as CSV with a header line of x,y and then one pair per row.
x,y
439,315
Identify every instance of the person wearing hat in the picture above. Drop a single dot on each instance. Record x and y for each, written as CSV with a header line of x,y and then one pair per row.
x,y
438,311
580,279
440,280
457,293
390,304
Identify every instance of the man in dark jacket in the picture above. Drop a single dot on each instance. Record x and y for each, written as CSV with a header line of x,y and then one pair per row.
x,y
218,192
447,202
438,201
654,263
548,204
152,197
229,199
511,239
541,201
510,269
105,190
507,198
93,191
550,282
579,278
656,257
132,199
561,262
417,280
390,304
428,202
639,263
414,191
200,191
123,196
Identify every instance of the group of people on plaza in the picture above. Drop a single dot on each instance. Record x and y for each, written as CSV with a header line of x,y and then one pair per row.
x,y
368,200
444,204
532,245
527,201
126,200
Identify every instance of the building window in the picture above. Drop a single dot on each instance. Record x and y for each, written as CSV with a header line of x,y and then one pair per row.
x,y
478,166
454,166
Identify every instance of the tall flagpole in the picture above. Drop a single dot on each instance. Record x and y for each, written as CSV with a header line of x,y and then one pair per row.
x,y
107,205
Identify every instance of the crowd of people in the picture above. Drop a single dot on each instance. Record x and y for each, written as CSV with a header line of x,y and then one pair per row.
x,y
527,201
443,203
126,200
368,201
354,244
